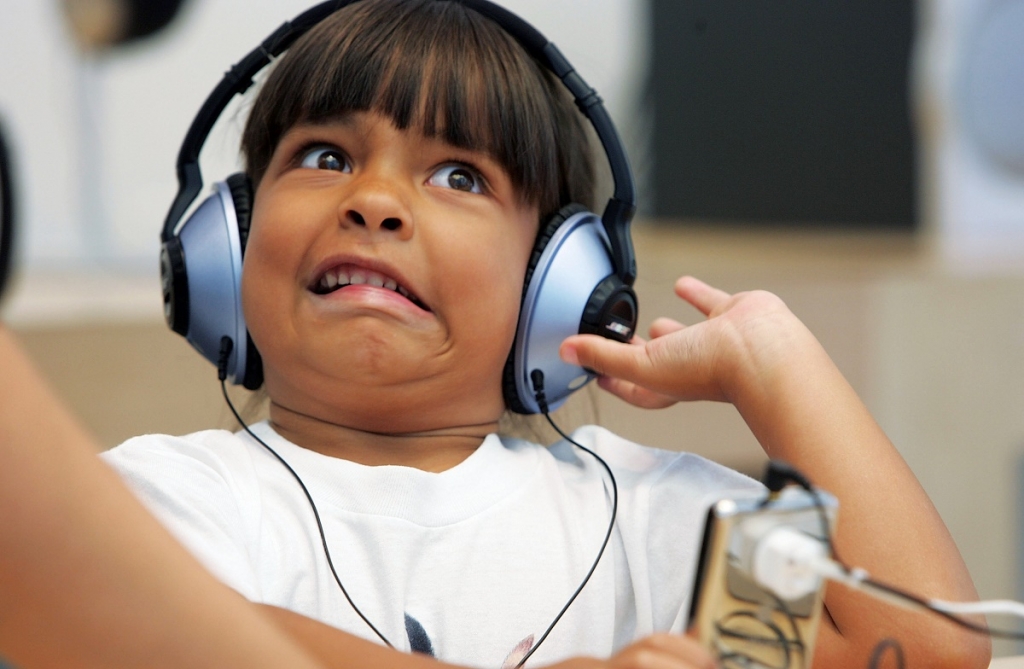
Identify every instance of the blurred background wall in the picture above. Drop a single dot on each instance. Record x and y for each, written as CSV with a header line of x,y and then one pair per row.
x,y
924,312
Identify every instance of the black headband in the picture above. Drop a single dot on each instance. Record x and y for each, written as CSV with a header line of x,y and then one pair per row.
x,y
618,213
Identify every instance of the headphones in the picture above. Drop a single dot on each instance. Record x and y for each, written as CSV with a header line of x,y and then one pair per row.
x,y
579,277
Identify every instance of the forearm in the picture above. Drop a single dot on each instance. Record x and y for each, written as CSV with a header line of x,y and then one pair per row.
x,y
340,650
87,577
804,412
337,649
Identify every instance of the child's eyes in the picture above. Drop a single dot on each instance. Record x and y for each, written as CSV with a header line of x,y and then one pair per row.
x,y
325,158
458,177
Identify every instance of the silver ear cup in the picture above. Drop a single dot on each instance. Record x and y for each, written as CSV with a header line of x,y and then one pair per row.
x,y
575,261
212,254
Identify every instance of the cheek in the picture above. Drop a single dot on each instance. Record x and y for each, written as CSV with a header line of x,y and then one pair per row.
x,y
259,252
266,278
255,290
491,279
281,230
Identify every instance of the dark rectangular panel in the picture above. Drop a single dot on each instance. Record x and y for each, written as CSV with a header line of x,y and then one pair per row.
x,y
783,111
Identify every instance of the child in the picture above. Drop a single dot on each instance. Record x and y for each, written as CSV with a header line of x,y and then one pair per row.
x,y
402,155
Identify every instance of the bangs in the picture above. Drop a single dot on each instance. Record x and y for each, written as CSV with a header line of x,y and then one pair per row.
x,y
434,67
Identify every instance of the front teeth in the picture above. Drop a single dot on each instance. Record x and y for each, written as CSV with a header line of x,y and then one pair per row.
x,y
336,278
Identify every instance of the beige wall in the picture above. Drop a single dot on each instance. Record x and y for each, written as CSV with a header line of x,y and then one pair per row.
x,y
937,355
130,378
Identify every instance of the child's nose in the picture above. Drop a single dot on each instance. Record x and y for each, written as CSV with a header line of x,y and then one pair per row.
x,y
390,223
377,207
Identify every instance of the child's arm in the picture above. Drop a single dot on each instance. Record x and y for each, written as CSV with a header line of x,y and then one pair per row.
x,y
87,577
753,352
339,650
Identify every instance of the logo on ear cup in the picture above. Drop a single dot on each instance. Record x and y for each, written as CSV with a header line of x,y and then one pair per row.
x,y
572,289
611,311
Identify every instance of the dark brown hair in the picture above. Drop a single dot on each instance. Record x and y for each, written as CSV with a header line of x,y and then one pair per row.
x,y
442,69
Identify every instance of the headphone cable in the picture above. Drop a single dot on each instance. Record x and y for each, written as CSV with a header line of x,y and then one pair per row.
x,y
225,351
538,377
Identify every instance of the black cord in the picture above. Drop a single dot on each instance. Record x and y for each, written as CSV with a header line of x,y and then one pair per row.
x,y
778,640
799,639
225,351
777,475
537,376
226,346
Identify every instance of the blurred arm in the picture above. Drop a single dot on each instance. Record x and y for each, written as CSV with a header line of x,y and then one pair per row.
x,y
87,577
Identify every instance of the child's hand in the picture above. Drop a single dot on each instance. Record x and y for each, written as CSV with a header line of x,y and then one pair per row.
x,y
659,651
746,338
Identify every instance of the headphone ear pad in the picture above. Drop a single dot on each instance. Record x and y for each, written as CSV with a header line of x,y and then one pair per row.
x,y
240,186
544,235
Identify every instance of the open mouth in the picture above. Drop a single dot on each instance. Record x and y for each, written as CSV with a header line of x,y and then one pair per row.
x,y
352,275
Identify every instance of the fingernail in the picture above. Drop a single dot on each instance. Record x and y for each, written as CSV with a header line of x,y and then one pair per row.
x,y
569,355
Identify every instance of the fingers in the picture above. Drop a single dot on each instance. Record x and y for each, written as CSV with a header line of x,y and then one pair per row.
x,y
604,356
628,390
665,326
622,368
702,296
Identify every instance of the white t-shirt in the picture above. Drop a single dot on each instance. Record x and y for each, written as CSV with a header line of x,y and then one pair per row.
x,y
469,564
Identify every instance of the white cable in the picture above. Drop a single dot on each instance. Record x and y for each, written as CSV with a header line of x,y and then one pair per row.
x,y
799,561
792,564
994,606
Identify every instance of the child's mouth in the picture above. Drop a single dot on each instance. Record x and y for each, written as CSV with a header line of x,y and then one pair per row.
x,y
351,275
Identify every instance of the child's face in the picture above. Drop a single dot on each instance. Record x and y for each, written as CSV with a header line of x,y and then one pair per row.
x,y
360,201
